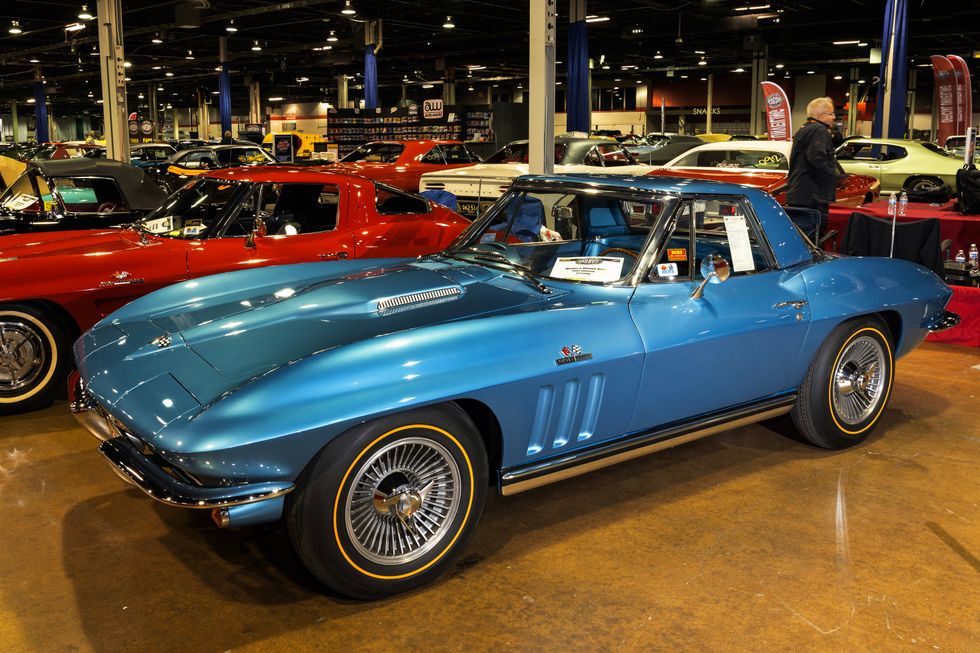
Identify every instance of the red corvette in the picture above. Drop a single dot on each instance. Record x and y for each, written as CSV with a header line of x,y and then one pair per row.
x,y
60,284
402,163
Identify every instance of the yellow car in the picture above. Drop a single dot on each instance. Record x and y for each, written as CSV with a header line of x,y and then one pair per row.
x,y
303,143
189,163
899,163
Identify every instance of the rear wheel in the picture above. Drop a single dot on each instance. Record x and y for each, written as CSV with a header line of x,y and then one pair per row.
x,y
919,184
386,507
847,386
33,358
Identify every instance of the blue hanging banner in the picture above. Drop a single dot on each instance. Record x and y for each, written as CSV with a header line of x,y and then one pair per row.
x,y
577,99
890,116
224,101
370,78
40,113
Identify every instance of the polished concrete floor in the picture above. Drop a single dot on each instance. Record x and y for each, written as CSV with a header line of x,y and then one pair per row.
x,y
745,542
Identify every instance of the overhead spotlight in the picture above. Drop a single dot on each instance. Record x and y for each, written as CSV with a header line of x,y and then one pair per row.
x,y
140,96
779,66
470,88
333,37
810,72
35,60
702,62
127,64
169,74
838,77
679,40
84,13
157,67
275,99
658,55
739,70
15,27
302,79
348,10
256,47
156,39
426,85
190,55
74,27
449,24
159,88
230,27
31,100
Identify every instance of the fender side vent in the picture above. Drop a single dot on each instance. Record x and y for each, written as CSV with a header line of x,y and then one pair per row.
x,y
411,301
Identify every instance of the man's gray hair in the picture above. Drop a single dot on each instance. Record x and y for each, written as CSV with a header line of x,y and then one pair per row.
x,y
816,106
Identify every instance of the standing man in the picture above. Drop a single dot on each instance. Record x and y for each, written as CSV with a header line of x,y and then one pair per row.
x,y
812,179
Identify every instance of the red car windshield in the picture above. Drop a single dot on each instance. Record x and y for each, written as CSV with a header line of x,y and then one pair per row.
x,y
517,153
375,153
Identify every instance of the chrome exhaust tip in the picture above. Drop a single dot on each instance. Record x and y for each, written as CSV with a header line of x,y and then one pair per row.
x,y
221,517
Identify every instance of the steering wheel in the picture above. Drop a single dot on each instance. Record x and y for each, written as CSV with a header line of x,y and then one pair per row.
x,y
619,250
108,207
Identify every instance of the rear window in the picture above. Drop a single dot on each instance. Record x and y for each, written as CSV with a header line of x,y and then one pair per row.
x,y
90,195
375,153
390,201
517,153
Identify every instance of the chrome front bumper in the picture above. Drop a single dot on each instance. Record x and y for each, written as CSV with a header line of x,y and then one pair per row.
x,y
943,321
132,462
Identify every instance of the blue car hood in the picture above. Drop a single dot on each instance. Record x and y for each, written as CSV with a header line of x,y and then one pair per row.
x,y
200,345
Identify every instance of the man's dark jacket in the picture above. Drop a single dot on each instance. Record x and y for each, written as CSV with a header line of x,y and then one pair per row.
x,y
812,167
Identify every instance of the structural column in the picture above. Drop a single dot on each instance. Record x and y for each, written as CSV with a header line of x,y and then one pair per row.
x,y
342,101
889,119
579,94
111,57
224,86
152,97
372,44
254,104
203,117
449,86
541,105
42,135
760,66
13,120
707,111
852,105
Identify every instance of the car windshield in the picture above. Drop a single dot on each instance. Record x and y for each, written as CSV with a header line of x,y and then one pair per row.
x,y
193,210
375,153
568,234
517,153
22,195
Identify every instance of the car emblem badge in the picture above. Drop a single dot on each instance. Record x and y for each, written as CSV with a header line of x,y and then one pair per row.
x,y
119,276
161,341
572,354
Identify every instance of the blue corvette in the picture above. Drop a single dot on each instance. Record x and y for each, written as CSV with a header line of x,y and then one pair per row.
x,y
582,321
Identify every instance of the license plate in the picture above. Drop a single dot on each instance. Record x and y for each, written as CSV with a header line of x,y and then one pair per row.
x,y
472,209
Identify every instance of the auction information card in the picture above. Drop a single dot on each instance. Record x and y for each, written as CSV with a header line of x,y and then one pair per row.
x,y
738,241
588,268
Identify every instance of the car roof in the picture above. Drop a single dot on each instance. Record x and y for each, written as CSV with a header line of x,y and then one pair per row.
x,y
283,174
777,146
905,142
647,182
140,191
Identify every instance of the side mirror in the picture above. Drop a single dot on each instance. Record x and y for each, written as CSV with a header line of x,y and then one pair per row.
x,y
258,231
714,268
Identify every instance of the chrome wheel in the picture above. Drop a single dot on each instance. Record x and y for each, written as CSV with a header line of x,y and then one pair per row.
x,y
403,500
858,380
22,356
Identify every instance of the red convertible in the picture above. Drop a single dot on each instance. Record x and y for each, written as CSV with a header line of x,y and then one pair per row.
x,y
60,284
402,163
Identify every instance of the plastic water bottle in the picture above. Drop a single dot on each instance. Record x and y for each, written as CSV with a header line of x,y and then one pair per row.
x,y
903,201
974,256
892,203
961,256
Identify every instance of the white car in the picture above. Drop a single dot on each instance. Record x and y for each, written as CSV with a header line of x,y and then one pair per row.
x,y
477,187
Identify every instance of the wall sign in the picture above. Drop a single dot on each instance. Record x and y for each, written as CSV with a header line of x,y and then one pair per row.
x,y
432,109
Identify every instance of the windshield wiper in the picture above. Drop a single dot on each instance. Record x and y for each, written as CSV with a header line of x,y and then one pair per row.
x,y
521,271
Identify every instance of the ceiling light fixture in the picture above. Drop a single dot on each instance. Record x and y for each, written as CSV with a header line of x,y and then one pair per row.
x,y
810,72
190,55
231,26
779,66
679,39
449,24
140,96
739,70
658,55
702,62
838,77
31,100
159,88
275,99
470,88
84,13
854,42
862,44
15,27
127,64
157,67
333,37
36,60
596,19
74,27
169,74
156,39
348,10
256,47
426,85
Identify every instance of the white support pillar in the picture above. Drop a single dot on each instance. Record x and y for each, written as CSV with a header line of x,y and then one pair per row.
x,y
707,112
342,101
255,104
151,96
203,117
852,103
111,57
541,107
760,68
14,124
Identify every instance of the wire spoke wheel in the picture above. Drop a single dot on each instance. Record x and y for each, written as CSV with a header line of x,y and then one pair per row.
x,y
22,356
858,380
403,500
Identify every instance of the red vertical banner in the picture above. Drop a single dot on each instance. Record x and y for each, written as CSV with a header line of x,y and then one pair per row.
x,y
942,70
963,76
778,117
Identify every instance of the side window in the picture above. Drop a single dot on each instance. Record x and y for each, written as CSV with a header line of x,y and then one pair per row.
x,y
288,209
711,158
893,152
688,160
613,155
726,227
434,156
592,158
90,195
674,264
457,154
390,201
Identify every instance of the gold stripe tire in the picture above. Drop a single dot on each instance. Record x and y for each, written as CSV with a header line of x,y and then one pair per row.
x,y
847,387
387,507
54,351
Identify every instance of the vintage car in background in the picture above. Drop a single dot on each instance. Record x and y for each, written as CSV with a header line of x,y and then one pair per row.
x,y
229,220
956,146
402,163
477,187
371,404
657,149
186,164
762,164
304,143
898,163
79,193
151,155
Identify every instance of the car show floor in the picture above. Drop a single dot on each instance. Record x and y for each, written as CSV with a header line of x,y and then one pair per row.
x,y
745,541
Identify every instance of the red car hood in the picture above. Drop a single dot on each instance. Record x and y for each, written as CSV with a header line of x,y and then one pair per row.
x,y
766,180
67,243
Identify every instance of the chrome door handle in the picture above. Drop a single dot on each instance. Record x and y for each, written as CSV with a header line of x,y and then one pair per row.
x,y
795,303
332,256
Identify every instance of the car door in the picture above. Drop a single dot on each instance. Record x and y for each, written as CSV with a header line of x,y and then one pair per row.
x,y
126,274
863,158
740,341
305,222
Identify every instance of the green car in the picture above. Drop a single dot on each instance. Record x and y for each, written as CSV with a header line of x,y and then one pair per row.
x,y
899,163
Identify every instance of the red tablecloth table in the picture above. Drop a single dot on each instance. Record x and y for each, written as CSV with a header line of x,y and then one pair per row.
x,y
961,229
965,302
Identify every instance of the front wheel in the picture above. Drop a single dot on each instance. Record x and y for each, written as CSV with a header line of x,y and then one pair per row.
x,y
33,358
847,386
386,507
